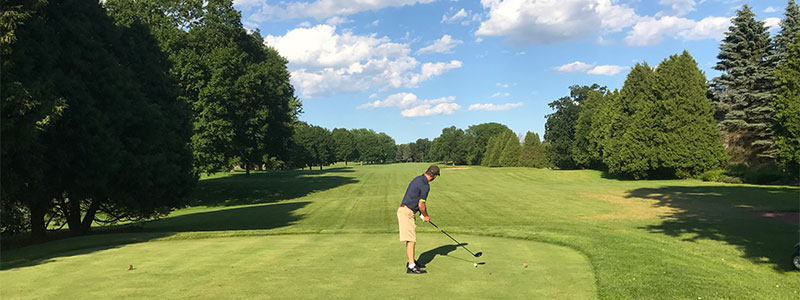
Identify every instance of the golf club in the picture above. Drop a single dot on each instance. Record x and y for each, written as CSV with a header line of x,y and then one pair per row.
x,y
465,248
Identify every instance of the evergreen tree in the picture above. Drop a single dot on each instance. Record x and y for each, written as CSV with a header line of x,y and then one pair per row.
x,y
512,150
533,152
787,109
494,148
632,149
790,26
691,143
744,89
586,152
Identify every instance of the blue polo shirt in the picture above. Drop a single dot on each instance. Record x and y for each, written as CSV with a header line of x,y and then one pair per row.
x,y
417,191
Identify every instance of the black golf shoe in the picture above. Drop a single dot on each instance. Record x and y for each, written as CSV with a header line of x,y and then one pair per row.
x,y
415,270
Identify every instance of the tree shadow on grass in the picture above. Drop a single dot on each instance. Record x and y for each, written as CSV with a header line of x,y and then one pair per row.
x,y
428,256
266,216
730,214
268,187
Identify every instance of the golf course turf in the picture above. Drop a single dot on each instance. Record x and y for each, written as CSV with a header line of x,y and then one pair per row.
x,y
332,234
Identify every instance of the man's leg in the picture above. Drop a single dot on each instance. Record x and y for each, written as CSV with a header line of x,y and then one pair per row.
x,y
410,252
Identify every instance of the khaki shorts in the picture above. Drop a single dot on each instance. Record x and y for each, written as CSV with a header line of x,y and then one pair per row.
x,y
408,229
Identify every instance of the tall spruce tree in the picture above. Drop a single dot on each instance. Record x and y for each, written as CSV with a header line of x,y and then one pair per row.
x,y
744,89
586,151
560,125
690,143
787,109
790,26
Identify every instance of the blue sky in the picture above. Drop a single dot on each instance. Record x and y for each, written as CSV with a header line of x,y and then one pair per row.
x,y
412,67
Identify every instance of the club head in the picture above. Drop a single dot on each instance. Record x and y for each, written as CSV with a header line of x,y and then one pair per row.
x,y
478,254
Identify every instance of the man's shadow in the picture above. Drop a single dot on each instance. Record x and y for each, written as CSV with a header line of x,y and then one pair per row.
x,y
428,256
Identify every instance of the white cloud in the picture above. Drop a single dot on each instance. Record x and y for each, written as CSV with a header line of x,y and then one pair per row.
x,y
608,70
411,106
336,20
443,45
502,85
576,66
499,94
324,63
495,107
461,14
304,24
652,31
541,22
320,9
770,9
772,23
677,7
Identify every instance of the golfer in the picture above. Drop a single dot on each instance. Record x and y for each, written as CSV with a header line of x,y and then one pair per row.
x,y
413,202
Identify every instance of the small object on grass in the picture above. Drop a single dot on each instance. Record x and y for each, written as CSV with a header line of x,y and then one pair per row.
x,y
130,267
475,264
525,264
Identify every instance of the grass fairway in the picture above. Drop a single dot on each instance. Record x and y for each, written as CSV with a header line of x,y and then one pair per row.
x,y
583,235
318,266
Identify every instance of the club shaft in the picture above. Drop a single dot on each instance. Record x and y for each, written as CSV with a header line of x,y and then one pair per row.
x,y
445,233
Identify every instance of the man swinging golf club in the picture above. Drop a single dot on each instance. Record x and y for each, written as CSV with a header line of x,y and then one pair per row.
x,y
413,202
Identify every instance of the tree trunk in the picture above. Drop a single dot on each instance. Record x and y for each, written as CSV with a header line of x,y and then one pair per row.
x,y
88,219
247,169
73,214
320,167
38,231
345,162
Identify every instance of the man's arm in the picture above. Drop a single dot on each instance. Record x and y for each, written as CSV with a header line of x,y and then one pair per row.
x,y
423,209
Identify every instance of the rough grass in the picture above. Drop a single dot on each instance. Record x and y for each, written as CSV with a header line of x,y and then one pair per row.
x,y
683,239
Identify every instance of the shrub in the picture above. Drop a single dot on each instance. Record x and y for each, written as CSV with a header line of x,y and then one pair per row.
x,y
768,173
711,175
729,179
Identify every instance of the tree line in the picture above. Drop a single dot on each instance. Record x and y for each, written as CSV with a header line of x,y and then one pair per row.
x,y
668,121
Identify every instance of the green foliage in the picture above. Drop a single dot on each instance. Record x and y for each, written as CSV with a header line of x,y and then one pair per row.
x,y
344,145
481,134
317,143
742,93
592,127
114,147
787,109
790,26
451,146
533,154
512,150
691,144
560,125
373,147
768,173
711,175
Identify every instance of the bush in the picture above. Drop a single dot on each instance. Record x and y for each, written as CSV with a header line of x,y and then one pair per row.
x,y
768,173
711,175
729,179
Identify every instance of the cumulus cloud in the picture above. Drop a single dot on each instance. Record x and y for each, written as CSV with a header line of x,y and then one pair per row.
x,y
677,7
411,106
770,9
325,63
652,31
336,20
772,23
582,67
576,66
500,94
608,70
541,22
494,107
320,9
442,45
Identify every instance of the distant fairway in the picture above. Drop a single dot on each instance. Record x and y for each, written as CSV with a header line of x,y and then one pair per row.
x,y
332,234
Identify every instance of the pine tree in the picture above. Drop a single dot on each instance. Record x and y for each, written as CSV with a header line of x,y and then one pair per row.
x,y
743,91
787,109
586,152
790,25
691,143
